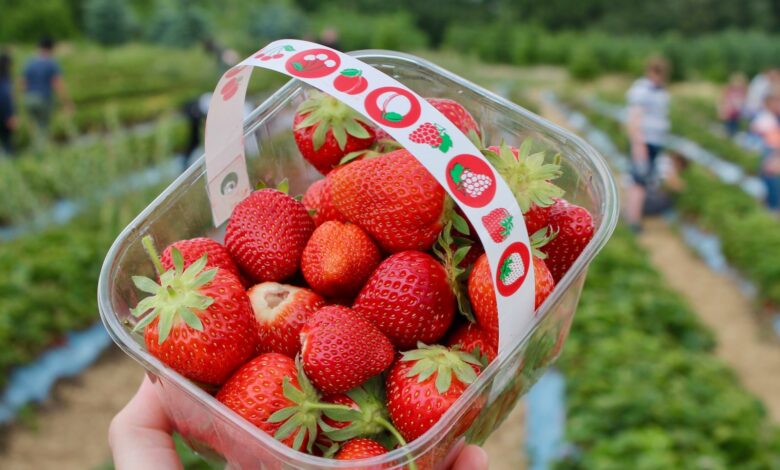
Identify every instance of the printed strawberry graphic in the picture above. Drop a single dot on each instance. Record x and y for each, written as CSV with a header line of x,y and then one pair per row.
x,y
280,312
499,224
512,269
229,88
360,448
424,383
432,134
325,130
470,183
341,350
196,320
351,82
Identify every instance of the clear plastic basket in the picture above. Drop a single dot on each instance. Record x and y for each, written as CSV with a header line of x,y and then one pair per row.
x,y
183,211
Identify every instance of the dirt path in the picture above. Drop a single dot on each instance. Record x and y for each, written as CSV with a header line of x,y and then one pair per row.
x,y
723,307
71,427
505,446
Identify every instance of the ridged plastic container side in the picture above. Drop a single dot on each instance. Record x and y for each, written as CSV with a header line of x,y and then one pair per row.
x,y
182,211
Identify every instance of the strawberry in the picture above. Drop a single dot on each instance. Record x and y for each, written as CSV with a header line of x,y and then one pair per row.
x,y
408,298
193,249
385,142
393,198
574,226
527,175
471,338
424,383
272,392
456,113
198,322
338,259
280,312
266,235
341,350
318,202
483,297
326,129
360,448
537,217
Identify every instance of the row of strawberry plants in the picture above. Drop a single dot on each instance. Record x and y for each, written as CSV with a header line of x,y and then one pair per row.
x,y
743,225
643,385
33,181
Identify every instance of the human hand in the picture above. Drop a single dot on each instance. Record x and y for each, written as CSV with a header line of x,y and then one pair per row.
x,y
140,437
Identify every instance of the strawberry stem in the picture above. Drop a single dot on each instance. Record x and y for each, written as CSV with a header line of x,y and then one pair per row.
x,y
148,244
398,437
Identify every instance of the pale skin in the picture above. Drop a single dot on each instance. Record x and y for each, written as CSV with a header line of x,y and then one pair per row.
x,y
140,437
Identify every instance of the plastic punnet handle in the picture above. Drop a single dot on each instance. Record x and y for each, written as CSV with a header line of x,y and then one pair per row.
x,y
461,169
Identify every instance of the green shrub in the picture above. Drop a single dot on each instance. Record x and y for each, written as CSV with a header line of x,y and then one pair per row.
x,y
107,21
181,23
28,21
276,20
380,31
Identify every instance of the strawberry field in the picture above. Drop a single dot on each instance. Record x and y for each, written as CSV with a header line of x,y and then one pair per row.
x,y
673,357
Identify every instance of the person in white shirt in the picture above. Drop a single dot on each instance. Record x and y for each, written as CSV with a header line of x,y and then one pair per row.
x,y
757,91
648,126
767,126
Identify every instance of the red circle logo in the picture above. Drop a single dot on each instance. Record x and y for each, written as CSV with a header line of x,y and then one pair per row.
x,y
513,268
313,63
471,180
351,82
393,106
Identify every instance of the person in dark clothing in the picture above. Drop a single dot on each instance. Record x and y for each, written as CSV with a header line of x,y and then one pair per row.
x,y
42,79
7,112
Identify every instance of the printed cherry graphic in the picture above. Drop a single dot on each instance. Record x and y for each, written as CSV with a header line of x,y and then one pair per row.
x,y
274,53
313,63
229,89
351,82
432,134
499,223
513,267
471,180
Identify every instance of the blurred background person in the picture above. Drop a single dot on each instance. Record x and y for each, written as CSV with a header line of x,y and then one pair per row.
x,y
757,91
732,102
7,112
42,79
330,37
767,126
648,126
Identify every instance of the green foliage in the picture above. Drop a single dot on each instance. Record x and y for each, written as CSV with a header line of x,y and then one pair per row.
x,y
642,385
28,21
276,20
107,21
380,31
179,23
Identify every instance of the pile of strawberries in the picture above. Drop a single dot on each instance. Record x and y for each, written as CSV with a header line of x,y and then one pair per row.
x,y
330,322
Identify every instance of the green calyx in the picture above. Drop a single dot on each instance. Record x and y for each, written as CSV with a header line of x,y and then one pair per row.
x,y
330,114
304,417
371,418
528,176
176,297
540,238
442,361
451,251
282,186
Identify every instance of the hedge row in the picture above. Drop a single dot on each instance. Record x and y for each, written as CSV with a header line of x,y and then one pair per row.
x,y
642,384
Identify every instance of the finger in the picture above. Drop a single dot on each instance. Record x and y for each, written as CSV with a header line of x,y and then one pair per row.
x,y
140,434
471,458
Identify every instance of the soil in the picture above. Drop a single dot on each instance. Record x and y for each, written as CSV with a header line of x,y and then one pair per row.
x,y
505,446
723,307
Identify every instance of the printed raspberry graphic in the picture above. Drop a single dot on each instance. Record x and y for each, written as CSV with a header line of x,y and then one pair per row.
x,y
432,134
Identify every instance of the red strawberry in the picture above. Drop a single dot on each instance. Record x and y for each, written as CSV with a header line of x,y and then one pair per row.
x,y
385,142
272,392
424,383
393,198
456,113
499,224
527,175
408,298
537,218
192,249
318,201
341,350
473,339
483,297
360,448
280,312
338,259
197,322
574,226
326,129
267,233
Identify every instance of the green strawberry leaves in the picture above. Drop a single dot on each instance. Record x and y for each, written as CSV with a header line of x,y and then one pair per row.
x,y
442,361
451,251
325,113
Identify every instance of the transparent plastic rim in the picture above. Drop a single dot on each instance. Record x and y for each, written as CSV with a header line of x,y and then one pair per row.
x,y
431,438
